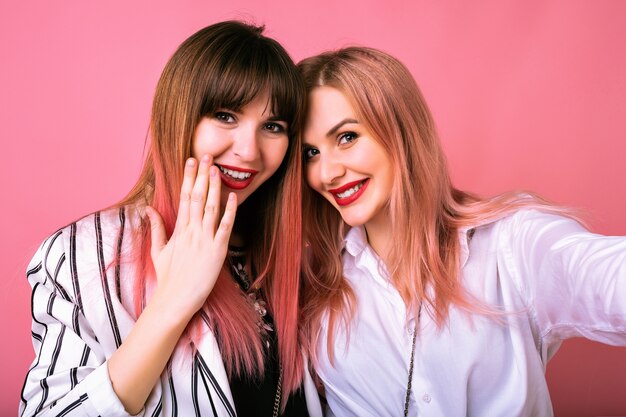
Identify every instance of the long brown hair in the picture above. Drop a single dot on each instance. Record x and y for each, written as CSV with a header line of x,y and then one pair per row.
x,y
227,65
427,212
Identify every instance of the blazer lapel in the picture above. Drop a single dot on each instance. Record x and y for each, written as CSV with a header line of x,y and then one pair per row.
x,y
212,366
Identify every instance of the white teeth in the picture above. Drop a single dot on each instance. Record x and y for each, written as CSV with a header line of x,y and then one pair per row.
x,y
235,174
350,191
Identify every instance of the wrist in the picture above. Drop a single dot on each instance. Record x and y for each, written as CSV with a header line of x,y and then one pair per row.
x,y
168,311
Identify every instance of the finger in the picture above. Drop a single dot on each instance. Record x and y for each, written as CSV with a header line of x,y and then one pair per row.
x,y
157,232
222,235
191,166
212,207
199,192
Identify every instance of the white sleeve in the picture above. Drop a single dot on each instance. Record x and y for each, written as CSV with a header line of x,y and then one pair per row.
x,y
69,375
574,281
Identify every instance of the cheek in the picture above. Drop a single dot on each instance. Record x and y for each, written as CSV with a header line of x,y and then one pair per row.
x,y
208,139
379,162
274,153
311,174
387,166
203,145
195,151
386,176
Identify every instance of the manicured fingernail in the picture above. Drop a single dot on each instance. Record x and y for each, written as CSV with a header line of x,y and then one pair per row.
x,y
213,171
205,159
191,162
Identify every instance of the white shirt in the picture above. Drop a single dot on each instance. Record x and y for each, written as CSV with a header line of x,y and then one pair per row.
x,y
554,278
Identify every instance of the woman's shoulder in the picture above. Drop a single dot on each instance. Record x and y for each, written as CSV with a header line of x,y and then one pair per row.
x,y
106,222
104,228
523,230
535,219
524,218
511,210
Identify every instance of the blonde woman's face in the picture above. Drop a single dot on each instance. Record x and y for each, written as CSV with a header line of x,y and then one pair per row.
x,y
344,163
247,145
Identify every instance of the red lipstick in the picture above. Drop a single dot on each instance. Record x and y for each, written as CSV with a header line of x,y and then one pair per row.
x,y
352,198
236,183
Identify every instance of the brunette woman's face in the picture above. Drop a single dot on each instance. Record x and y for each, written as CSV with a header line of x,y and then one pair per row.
x,y
344,163
247,145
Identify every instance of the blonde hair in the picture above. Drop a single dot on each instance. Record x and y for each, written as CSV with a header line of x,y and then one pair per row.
x,y
427,212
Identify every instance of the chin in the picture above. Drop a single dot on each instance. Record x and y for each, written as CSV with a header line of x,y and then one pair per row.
x,y
354,222
241,197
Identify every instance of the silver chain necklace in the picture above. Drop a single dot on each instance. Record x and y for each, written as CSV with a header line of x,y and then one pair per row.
x,y
410,381
411,364
238,268
279,391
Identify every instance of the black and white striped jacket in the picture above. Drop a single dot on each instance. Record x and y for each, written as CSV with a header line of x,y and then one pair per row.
x,y
82,311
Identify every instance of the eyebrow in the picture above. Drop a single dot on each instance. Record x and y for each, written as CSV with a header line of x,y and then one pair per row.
x,y
338,125
276,119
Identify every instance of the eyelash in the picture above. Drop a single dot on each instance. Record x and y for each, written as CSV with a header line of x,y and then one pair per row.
x,y
272,127
225,117
306,153
348,136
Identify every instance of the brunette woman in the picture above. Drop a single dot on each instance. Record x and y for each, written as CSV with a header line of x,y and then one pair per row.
x,y
166,304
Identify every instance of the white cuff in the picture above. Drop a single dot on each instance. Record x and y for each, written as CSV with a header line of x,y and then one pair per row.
x,y
102,400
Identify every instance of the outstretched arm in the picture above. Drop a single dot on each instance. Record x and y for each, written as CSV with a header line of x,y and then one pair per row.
x,y
574,281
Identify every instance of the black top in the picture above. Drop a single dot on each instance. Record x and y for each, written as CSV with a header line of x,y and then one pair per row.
x,y
256,397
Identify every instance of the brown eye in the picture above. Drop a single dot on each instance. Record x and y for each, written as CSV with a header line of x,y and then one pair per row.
x,y
309,153
224,117
274,127
347,137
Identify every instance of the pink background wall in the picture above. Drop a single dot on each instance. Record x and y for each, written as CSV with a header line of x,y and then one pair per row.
x,y
527,94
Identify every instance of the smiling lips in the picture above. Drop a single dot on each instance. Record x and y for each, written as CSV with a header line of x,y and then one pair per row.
x,y
235,177
349,192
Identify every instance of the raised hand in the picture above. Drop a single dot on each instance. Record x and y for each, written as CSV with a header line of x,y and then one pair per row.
x,y
188,265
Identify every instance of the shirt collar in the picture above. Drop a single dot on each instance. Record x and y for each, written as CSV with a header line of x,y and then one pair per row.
x,y
355,242
465,236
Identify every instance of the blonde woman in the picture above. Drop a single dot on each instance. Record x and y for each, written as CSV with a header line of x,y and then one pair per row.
x,y
421,299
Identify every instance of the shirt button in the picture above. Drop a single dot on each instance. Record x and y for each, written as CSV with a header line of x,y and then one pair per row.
x,y
410,327
426,398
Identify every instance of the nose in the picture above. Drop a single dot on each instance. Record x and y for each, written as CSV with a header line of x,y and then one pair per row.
x,y
330,167
245,143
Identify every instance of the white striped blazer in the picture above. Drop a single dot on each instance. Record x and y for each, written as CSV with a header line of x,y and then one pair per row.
x,y
82,311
